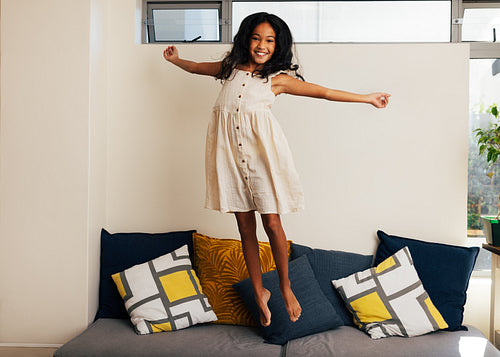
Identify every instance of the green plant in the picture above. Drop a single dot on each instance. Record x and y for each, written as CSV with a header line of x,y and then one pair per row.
x,y
488,140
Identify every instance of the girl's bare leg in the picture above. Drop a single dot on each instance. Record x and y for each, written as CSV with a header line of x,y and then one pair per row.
x,y
277,238
248,232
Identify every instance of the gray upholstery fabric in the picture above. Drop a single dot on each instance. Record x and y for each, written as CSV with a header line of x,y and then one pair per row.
x,y
350,342
115,337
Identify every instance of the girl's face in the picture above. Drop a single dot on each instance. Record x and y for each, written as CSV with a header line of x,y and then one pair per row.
x,y
262,43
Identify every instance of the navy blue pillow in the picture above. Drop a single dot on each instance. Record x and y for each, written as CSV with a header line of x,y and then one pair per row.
x,y
317,313
329,265
123,250
443,269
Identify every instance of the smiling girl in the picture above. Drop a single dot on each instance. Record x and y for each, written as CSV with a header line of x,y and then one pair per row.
x,y
249,166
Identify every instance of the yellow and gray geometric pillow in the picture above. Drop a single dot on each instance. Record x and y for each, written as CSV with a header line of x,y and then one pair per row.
x,y
390,300
164,294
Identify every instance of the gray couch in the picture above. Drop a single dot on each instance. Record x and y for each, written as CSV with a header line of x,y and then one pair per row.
x,y
113,335
116,337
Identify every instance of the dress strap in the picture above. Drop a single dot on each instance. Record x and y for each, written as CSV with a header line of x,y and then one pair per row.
x,y
277,74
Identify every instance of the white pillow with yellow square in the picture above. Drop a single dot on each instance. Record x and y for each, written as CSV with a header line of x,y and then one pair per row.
x,y
164,294
390,300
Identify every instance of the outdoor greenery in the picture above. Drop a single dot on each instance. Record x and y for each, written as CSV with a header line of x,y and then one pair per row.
x,y
484,170
488,139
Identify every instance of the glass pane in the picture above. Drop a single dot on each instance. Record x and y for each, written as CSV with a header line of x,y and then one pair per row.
x,y
479,24
186,24
484,89
357,21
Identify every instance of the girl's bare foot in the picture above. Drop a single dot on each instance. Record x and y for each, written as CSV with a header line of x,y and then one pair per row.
x,y
291,304
264,312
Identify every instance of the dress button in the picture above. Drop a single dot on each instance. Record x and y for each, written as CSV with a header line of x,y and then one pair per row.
x,y
239,144
237,127
248,74
237,110
243,84
239,96
246,178
242,160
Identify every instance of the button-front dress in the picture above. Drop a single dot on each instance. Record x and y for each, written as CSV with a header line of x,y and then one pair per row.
x,y
248,163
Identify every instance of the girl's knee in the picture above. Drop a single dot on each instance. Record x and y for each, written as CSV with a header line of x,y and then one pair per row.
x,y
272,223
246,223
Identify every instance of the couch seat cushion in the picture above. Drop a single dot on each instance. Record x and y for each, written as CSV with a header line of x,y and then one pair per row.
x,y
116,338
347,341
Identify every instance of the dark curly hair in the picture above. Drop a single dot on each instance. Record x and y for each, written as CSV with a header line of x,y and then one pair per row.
x,y
281,60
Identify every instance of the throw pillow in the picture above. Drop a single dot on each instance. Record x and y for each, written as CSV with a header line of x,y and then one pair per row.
x,y
120,251
389,300
329,265
317,313
219,264
164,294
443,269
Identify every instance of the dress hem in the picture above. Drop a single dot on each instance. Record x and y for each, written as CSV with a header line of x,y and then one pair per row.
x,y
227,210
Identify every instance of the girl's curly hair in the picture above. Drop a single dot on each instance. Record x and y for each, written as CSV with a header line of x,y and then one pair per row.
x,y
281,60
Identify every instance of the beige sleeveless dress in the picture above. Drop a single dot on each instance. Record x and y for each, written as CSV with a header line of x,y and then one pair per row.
x,y
248,163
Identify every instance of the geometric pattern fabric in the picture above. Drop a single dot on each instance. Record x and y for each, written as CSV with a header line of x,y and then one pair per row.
x,y
164,294
390,300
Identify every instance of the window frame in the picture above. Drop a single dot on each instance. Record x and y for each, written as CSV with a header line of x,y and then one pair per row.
x,y
148,6
477,49
226,17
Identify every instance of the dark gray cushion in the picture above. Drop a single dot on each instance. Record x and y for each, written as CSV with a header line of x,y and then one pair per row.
x,y
317,312
329,265
347,341
116,337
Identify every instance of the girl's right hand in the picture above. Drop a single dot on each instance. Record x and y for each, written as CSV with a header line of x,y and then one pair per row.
x,y
170,53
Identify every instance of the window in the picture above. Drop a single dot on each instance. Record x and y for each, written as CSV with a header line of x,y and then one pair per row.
x,y
484,89
310,21
481,24
356,21
184,21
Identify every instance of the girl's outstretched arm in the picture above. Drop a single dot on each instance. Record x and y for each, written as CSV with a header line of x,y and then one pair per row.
x,y
284,83
205,68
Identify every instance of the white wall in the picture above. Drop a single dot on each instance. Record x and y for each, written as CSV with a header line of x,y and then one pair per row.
x,y
401,169
97,145
52,153
99,131
43,170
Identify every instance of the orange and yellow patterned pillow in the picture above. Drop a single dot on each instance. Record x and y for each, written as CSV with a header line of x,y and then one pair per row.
x,y
219,263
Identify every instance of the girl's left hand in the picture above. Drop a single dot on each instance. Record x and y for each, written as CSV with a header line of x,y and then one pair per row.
x,y
379,100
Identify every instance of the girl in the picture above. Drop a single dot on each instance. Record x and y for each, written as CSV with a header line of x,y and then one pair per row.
x,y
248,165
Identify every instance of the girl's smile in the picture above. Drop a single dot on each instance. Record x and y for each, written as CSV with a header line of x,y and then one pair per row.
x,y
262,44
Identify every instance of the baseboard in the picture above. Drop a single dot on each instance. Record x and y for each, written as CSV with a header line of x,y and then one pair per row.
x,y
31,345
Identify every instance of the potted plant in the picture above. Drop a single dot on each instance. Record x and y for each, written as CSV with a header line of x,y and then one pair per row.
x,y
488,141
